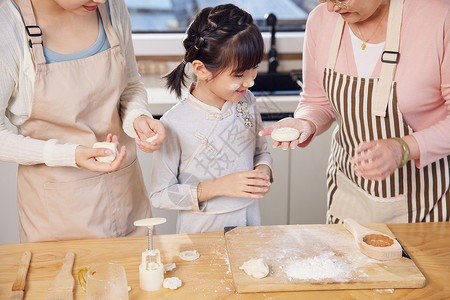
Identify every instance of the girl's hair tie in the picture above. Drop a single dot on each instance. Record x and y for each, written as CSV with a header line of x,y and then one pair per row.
x,y
199,43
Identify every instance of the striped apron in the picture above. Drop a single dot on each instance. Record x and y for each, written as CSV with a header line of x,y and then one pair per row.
x,y
409,194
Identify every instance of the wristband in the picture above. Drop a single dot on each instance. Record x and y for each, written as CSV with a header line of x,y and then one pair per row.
x,y
405,151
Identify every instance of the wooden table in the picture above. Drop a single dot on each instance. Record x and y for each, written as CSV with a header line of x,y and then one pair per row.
x,y
209,277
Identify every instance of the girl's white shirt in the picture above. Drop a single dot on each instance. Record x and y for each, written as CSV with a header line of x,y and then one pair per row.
x,y
17,76
204,142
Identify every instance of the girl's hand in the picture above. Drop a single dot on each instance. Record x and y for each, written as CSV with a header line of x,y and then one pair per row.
x,y
85,157
265,169
376,160
305,127
147,127
248,184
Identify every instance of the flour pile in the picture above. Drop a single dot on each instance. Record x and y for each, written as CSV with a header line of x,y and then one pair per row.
x,y
324,266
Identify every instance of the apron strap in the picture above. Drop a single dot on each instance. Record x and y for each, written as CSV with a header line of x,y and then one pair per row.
x,y
34,32
389,59
109,30
335,43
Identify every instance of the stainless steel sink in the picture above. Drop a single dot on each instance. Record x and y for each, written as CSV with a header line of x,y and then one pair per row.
x,y
278,83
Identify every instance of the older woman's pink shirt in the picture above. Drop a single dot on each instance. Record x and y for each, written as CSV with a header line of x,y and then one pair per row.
x,y
422,76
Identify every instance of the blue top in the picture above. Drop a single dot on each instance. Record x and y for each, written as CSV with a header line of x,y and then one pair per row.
x,y
101,44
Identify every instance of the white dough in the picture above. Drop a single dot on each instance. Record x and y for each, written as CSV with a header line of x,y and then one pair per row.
x,y
169,267
152,138
285,134
172,283
189,255
111,146
255,267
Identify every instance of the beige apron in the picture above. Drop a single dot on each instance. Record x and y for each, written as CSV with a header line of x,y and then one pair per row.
x,y
366,109
78,102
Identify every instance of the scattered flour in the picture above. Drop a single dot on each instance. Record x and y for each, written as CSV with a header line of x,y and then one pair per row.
x,y
323,266
385,291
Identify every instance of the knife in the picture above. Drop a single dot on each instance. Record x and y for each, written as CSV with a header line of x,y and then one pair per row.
x,y
62,285
19,284
404,253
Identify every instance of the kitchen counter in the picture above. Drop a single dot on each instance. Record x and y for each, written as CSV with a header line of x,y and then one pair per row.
x,y
210,277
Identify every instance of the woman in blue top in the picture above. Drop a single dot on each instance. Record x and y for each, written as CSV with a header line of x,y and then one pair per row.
x,y
70,80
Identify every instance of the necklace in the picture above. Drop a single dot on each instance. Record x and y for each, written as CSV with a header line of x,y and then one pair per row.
x,y
363,46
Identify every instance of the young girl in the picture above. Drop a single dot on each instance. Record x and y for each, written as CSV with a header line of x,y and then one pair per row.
x,y
214,167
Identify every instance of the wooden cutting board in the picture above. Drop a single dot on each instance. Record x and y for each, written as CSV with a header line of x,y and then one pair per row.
x,y
314,257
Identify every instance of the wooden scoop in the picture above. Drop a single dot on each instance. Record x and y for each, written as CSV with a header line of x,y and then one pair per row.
x,y
373,243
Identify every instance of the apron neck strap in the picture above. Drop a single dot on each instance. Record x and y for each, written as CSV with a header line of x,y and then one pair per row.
x,y
389,58
33,31
335,43
109,30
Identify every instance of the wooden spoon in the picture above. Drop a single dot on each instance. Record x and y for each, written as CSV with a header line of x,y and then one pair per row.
x,y
373,243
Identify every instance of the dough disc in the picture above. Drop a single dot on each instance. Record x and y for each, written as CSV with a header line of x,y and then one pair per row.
x,y
255,267
189,255
285,134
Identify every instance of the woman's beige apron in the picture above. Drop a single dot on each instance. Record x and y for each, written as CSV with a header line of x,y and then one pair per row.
x,y
364,114
78,102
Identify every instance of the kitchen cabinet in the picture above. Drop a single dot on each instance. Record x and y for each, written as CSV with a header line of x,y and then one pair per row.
x,y
308,183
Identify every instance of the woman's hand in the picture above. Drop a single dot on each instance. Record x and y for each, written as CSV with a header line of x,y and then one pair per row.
x,y
248,184
305,127
376,160
85,157
147,127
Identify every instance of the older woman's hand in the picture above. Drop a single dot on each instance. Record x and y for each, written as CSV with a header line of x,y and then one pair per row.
x,y
305,127
147,127
376,160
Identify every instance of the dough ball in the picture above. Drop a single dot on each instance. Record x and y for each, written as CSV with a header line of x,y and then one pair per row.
x,y
152,138
255,267
172,283
189,255
106,159
285,134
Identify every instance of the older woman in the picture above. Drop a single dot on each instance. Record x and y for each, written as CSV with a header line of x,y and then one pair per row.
x,y
68,79
381,70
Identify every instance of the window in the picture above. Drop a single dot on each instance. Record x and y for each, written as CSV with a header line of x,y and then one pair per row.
x,y
159,25
163,16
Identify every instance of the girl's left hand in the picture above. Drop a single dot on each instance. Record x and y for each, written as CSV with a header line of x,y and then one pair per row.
x,y
376,160
266,170
147,127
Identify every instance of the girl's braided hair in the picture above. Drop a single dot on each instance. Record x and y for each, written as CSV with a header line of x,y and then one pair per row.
x,y
220,37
